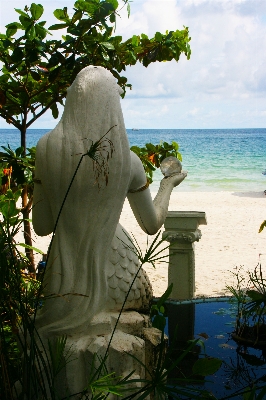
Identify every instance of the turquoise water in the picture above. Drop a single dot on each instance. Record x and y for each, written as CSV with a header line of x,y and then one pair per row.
x,y
216,159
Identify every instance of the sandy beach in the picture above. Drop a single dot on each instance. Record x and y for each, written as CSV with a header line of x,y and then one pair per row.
x,y
229,240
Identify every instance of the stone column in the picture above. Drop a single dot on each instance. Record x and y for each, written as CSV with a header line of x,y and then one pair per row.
x,y
181,231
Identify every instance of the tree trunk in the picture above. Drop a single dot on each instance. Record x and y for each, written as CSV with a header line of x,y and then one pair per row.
x,y
26,208
23,131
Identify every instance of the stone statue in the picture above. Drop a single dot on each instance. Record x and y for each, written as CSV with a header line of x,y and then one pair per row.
x,y
90,269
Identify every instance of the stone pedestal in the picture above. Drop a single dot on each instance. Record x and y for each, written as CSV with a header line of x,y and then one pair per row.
x,y
181,231
135,344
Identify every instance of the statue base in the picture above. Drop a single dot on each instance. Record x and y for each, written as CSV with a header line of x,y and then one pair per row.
x,y
134,344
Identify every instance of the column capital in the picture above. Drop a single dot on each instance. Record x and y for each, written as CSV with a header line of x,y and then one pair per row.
x,y
184,220
182,236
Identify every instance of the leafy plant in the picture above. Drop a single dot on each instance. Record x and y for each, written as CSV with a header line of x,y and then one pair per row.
x,y
158,311
37,69
17,292
251,306
20,169
152,155
157,384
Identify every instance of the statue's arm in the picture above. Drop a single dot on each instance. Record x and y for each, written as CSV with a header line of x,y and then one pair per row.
x,y
149,213
42,219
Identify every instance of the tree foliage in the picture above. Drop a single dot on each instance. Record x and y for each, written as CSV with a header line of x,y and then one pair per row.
x,y
37,69
152,155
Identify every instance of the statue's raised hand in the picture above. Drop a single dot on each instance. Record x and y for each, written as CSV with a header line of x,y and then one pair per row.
x,y
176,178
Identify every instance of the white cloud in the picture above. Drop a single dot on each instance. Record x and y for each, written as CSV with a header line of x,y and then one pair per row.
x,y
225,79
227,63
194,111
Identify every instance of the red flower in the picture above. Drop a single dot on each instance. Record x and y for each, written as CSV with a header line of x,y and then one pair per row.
x,y
7,171
151,158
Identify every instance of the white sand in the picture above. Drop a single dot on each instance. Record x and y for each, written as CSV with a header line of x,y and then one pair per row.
x,y
229,239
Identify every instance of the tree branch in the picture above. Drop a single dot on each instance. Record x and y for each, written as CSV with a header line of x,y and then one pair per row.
x,y
43,111
7,117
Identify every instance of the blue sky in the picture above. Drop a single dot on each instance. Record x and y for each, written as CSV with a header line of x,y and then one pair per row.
x,y
223,85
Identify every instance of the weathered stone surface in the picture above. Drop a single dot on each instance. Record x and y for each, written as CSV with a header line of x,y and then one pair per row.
x,y
181,231
153,346
92,263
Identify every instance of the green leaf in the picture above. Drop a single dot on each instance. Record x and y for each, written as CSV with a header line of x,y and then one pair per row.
x,y
57,26
150,147
26,246
250,394
9,194
175,145
6,44
159,322
35,75
76,16
54,110
83,26
104,11
255,295
9,210
13,98
21,12
158,37
206,366
135,149
61,14
33,55
14,25
30,32
36,11
41,32
25,21
108,45
70,62
135,40
114,3
54,60
89,7
17,55
11,31
143,36
105,56
165,296
57,353
54,74
17,194
112,18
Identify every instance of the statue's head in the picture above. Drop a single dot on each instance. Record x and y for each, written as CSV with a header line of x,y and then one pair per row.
x,y
93,101
93,110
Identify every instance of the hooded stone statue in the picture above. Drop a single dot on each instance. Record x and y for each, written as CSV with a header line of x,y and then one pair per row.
x,y
90,266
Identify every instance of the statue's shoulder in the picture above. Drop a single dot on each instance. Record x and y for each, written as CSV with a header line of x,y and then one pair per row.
x,y
43,140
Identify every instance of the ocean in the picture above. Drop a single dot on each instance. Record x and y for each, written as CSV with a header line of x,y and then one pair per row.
x,y
216,159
